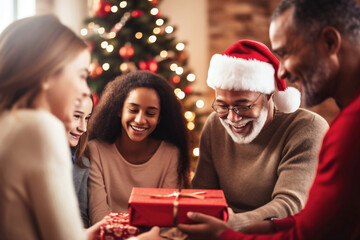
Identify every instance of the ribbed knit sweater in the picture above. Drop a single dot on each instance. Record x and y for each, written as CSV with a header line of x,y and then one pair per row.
x,y
332,210
269,177
112,178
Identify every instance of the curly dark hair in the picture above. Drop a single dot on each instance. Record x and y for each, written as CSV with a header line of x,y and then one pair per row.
x,y
105,124
311,16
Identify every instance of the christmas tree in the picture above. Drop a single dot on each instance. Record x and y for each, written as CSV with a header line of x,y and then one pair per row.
x,y
133,34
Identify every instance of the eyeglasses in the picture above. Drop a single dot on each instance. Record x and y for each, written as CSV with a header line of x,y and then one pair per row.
x,y
238,109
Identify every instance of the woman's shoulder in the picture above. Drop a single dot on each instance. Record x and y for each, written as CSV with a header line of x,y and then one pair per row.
x,y
34,132
168,147
34,122
37,119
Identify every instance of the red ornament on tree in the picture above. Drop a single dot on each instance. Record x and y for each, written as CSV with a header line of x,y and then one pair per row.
x,y
137,13
152,66
175,79
95,70
142,65
95,98
153,2
126,51
102,9
187,89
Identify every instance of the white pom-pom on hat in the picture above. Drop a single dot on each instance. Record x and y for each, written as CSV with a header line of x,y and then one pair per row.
x,y
288,100
250,65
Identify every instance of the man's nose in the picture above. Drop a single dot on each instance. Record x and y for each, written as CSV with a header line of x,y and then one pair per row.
x,y
281,71
232,116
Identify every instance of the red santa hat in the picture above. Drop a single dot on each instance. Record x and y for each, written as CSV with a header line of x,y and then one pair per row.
x,y
249,65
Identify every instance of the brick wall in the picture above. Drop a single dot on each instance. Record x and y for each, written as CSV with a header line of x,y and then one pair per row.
x,y
232,20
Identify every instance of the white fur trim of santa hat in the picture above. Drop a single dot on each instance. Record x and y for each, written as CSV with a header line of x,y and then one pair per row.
x,y
231,73
249,65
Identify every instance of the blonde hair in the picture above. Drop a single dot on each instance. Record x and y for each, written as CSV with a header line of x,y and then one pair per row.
x,y
31,50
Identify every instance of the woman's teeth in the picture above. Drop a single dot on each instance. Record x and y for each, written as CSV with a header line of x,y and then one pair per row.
x,y
138,128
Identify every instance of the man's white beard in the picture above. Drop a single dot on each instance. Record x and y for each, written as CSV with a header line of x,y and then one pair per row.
x,y
257,126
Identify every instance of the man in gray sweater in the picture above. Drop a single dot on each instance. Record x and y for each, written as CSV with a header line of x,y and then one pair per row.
x,y
257,146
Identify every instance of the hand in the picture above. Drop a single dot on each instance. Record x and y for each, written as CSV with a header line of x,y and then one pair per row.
x,y
260,227
153,234
93,232
207,227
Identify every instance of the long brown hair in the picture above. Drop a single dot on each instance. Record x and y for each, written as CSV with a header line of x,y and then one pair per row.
x,y
80,150
31,50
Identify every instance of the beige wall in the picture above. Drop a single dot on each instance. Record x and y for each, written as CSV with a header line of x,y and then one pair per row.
x,y
191,19
70,12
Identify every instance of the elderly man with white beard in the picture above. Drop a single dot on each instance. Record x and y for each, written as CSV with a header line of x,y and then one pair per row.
x,y
258,146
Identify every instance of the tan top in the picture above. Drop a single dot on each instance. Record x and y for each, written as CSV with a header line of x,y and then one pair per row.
x,y
269,177
112,178
37,196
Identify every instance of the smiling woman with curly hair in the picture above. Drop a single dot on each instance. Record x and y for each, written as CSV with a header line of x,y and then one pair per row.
x,y
139,139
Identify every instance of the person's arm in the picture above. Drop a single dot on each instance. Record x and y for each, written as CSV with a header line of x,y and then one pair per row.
x,y
83,195
49,181
98,206
295,172
205,174
205,227
209,227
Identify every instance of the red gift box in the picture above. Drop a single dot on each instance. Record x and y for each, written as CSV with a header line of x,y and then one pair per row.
x,y
117,227
166,207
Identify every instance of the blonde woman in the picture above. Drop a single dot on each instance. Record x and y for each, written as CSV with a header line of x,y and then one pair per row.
x,y
43,71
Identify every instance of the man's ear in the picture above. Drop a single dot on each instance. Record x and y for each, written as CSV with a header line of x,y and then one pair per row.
x,y
330,39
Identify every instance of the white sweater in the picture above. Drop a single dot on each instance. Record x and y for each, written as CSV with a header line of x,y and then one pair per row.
x,y
37,196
